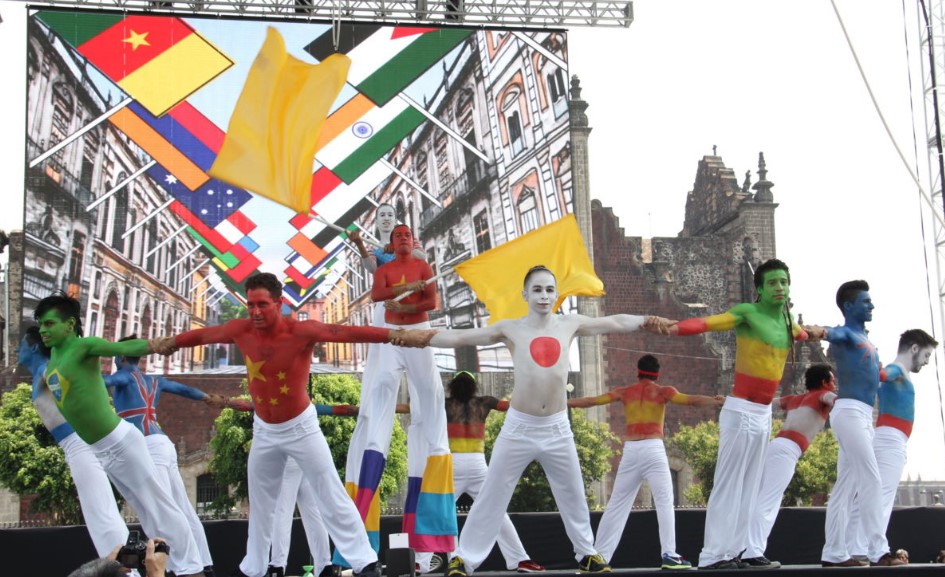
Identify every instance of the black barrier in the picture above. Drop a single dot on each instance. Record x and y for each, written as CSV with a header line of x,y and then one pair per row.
x,y
796,539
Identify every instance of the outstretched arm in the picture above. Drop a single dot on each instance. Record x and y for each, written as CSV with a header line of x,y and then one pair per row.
x,y
609,324
585,402
469,337
222,334
317,331
181,389
96,347
705,401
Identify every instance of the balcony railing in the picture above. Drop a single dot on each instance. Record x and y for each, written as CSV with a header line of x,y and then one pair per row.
x,y
53,171
476,176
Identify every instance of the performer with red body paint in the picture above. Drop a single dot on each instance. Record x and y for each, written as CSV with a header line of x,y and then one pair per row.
x,y
536,426
278,353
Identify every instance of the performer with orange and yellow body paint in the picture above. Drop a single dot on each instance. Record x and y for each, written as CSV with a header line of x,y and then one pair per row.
x,y
764,332
644,458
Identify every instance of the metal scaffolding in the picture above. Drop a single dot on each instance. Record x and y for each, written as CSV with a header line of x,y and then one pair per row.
x,y
486,13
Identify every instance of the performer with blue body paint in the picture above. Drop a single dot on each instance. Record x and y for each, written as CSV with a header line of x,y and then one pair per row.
x,y
857,370
135,396
99,509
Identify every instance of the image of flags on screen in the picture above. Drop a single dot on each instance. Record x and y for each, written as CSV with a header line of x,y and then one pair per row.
x,y
237,263
157,60
387,59
212,203
358,134
301,286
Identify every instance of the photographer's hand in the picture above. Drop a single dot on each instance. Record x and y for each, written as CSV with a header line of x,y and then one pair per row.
x,y
156,563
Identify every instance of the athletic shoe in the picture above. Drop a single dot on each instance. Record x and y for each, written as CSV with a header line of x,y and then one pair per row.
x,y
851,562
723,565
237,573
760,562
273,571
675,562
593,564
436,562
529,566
888,560
208,571
330,571
456,568
370,570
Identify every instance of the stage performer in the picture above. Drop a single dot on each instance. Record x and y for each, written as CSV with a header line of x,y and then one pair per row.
x,y
466,414
536,426
365,496
858,367
99,509
74,377
894,424
806,416
764,335
135,396
278,353
644,458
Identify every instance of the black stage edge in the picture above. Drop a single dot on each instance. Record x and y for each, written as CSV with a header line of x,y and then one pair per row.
x,y
796,541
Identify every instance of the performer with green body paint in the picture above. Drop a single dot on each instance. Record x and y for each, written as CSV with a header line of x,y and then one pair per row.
x,y
764,335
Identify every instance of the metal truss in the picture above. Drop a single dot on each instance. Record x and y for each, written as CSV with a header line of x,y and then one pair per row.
x,y
485,13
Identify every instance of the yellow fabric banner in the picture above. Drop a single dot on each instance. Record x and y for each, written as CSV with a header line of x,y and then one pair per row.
x,y
272,138
497,275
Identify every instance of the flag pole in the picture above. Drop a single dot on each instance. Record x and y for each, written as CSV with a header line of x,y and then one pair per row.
x,y
341,230
402,296
72,137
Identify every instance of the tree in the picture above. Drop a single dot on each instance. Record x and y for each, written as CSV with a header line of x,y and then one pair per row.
x,y
31,463
815,474
230,310
593,440
234,435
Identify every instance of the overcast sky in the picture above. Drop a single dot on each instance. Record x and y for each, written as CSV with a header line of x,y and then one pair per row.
x,y
747,76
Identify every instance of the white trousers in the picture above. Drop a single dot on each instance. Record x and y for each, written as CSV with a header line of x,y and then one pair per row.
x,y
469,474
293,491
744,431
102,517
780,462
525,438
857,477
165,459
301,439
125,457
889,446
643,460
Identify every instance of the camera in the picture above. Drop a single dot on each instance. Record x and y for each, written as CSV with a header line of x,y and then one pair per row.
x,y
133,552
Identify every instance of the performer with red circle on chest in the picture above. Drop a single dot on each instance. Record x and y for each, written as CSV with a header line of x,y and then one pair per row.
x,y
536,426
278,353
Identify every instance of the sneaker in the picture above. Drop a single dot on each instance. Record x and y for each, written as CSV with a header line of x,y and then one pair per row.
x,y
370,570
593,564
760,562
273,571
851,562
208,571
888,560
237,573
456,568
723,565
436,562
330,571
675,562
529,566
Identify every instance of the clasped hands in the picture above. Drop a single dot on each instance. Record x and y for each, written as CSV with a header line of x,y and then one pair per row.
x,y
414,338
660,325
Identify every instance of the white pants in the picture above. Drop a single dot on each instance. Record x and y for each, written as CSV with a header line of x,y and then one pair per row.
x,y
525,438
102,517
469,474
165,459
643,460
293,491
857,476
301,439
744,431
124,455
780,462
889,446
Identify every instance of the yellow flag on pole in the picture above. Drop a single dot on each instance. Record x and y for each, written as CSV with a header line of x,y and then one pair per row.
x,y
272,138
496,275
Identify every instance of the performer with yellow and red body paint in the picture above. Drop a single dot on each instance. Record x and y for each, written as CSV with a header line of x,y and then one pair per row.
x,y
644,458
764,335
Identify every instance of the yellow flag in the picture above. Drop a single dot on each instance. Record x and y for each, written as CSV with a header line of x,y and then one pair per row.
x,y
497,275
273,134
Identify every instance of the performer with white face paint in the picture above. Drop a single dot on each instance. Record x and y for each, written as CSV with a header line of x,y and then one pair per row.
x,y
536,426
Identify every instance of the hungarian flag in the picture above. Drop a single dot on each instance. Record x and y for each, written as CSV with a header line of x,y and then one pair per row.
x,y
387,59
157,60
558,246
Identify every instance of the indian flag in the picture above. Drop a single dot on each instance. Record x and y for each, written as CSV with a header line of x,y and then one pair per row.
x,y
157,60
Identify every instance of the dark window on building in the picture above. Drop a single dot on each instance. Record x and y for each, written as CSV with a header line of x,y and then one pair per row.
x,y
481,226
208,490
515,132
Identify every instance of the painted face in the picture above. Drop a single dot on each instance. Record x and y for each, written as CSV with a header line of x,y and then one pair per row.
x,y
541,292
831,385
263,310
386,219
401,240
861,309
24,352
921,358
53,330
776,288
